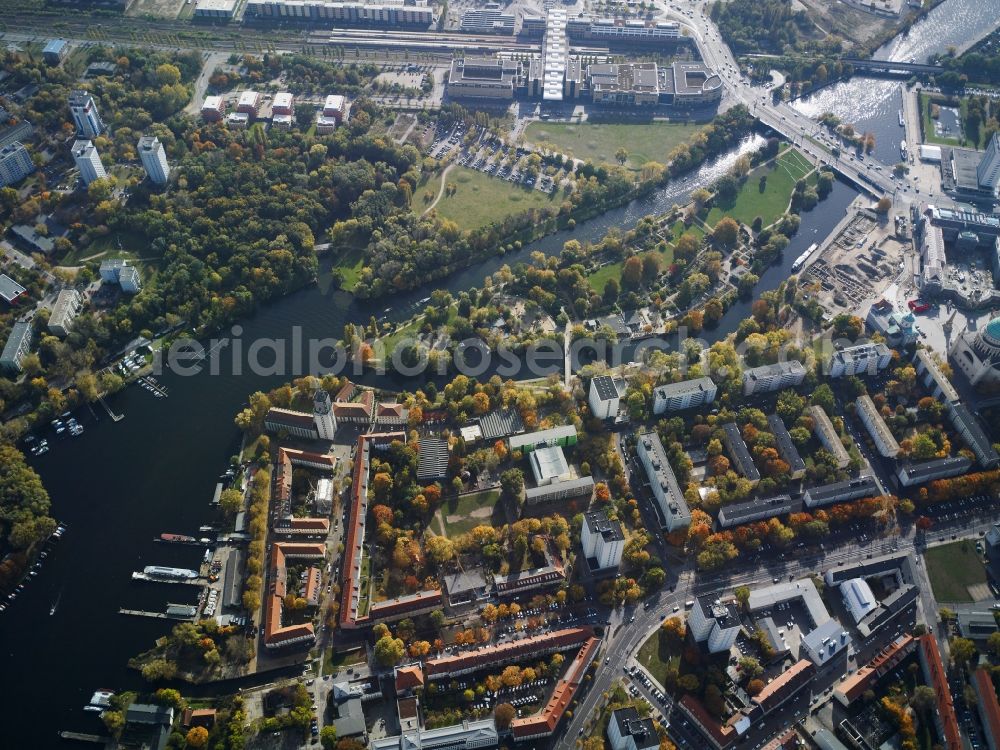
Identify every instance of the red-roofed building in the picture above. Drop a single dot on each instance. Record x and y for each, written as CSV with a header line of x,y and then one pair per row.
x,y
787,741
721,736
346,393
785,686
311,527
408,679
409,605
277,635
884,662
504,653
357,412
309,459
390,415
314,586
937,678
350,614
198,717
547,720
283,477
989,709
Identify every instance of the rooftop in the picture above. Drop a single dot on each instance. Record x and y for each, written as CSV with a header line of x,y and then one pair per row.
x,y
786,447
605,387
10,290
738,452
548,463
598,523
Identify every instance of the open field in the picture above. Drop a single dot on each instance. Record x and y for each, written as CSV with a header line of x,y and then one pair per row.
x,y
600,277
598,142
459,515
479,199
114,245
349,263
769,203
655,655
952,568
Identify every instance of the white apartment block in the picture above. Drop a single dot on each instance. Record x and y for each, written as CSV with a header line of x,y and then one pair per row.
x,y
864,359
774,377
686,394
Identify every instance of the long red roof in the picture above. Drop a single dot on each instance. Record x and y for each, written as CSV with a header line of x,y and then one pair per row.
x,y
945,704
989,709
506,652
546,721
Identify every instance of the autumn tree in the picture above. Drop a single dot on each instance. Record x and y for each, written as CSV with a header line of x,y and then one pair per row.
x,y
726,232
197,737
503,714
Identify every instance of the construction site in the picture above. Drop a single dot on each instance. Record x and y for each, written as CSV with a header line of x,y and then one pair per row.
x,y
862,259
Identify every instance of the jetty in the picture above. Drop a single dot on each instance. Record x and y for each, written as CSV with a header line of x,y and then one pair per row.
x,y
141,576
84,737
218,494
183,612
114,417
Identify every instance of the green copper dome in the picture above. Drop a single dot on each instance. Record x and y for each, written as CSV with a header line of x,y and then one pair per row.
x,y
993,329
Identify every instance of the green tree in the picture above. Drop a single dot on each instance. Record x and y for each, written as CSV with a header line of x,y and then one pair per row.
x,y
328,737
389,651
726,232
512,484
230,501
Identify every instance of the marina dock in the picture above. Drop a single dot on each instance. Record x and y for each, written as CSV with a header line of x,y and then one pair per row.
x,y
82,737
150,384
140,576
218,494
182,613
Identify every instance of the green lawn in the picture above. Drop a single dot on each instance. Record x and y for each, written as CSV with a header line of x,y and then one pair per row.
x,y
930,136
600,277
350,261
468,511
480,199
113,245
656,656
334,660
952,568
750,202
598,142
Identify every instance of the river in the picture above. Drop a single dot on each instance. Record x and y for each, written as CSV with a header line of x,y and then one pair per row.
x,y
872,105
121,484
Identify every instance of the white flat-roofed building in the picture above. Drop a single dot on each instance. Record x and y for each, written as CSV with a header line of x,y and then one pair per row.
x,y
858,598
663,482
88,161
881,434
933,377
465,736
15,164
118,271
281,122
865,359
283,103
238,120
213,109
602,539
554,53
823,644
715,623
482,78
828,436
154,159
249,103
767,378
686,394
67,306
628,84
331,12
215,9
564,435
604,397
617,30
803,590
85,116
335,105
549,465
17,347
487,21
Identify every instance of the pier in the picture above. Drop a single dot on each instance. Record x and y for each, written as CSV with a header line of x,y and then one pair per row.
x,y
82,737
114,417
218,494
150,384
140,576
156,615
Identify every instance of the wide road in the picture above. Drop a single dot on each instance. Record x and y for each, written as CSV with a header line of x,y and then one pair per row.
x,y
870,174
624,637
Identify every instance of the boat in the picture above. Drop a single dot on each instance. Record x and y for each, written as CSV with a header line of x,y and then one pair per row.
x,y
800,261
901,121
55,604
100,700
160,571
178,538
902,148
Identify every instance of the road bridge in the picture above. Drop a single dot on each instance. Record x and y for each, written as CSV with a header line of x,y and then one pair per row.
x,y
891,66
